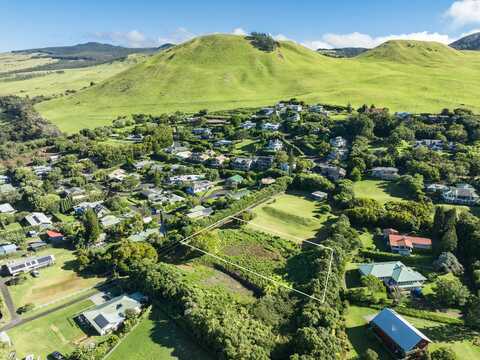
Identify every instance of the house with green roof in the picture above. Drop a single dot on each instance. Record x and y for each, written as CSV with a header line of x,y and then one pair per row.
x,y
394,274
234,181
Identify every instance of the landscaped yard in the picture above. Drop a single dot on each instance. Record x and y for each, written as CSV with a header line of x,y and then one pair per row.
x,y
54,283
290,216
382,191
458,339
55,332
158,338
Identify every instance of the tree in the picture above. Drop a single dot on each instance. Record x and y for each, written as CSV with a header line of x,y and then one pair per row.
x,y
207,241
92,226
443,353
373,284
448,263
472,312
450,291
370,355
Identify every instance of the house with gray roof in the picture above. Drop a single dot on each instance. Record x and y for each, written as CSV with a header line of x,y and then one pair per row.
x,y
398,335
38,219
7,209
385,173
27,265
6,249
109,316
462,194
394,274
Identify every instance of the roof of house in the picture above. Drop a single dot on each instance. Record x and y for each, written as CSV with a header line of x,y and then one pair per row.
x,y
8,247
391,269
113,311
54,234
235,178
6,208
37,218
405,335
409,241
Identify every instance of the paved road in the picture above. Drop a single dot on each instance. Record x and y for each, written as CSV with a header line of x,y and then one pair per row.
x,y
9,302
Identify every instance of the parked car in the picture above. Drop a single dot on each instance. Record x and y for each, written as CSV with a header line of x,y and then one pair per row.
x,y
56,356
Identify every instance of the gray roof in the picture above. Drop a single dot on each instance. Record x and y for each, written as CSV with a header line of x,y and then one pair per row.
x,y
405,335
392,269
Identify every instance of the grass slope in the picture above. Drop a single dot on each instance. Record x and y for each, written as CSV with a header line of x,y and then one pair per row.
x,y
226,71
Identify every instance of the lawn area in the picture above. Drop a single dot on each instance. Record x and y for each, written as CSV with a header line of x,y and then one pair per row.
x,y
382,191
243,146
289,216
54,332
55,282
454,337
158,338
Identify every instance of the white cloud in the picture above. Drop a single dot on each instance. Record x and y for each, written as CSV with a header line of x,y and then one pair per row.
x,y
463,12
177,36
281,37
239,31
133,38
357,39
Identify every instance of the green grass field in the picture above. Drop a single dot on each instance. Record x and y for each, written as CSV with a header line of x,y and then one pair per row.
x,y
53,83
382,191
458,339
54,332
195,75
54,283
289,216
158,338
14,62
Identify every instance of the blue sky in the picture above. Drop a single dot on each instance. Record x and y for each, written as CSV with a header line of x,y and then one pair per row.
x,y
314,23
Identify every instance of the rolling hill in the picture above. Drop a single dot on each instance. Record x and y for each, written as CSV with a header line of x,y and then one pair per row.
x,y
470,42
226,71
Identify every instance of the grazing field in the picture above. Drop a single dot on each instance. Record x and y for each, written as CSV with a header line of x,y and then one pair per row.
x,y
54,283
290,216
14,62
382,191
454,337
402,75
158,338
54,332
57,82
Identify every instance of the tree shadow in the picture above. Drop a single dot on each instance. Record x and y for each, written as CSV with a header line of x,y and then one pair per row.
x,y
362,339
169,335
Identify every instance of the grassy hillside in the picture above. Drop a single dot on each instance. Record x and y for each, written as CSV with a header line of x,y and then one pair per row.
x,y
226,71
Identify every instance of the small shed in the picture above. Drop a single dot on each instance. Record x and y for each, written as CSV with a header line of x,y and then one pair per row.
x,y
6,249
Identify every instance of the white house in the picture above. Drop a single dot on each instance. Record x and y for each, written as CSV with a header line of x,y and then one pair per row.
x,y
6,209
270,126
27,265
275,145
38,219
462,194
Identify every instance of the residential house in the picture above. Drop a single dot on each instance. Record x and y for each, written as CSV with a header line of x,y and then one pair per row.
x,y
248,125
38,219
267,181
26,265
319,109
183,155
234,181
332,172
41,170
140,165
295,107
270,126
4,179
54,236
204,133
117,175
462,194
402,339
292,117
7,209
266,112
75,193
338,154
199,157
319,195
263,163
37,245
54,158
403,115
199,211
180,179
404,244
108,316
176,148
109,221
394,274
159,196
241,163
218,161
239,194
6,249
223,142
96,206
275,145
338,142
385,173
436,188
432,144
143,235
135,137
199,186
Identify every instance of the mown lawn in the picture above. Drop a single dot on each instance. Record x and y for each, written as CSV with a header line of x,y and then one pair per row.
x,y
158,338
293,217
54,283
379,190
54,332
442,335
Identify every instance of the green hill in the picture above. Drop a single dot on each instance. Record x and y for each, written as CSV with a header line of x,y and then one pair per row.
x,y
226,71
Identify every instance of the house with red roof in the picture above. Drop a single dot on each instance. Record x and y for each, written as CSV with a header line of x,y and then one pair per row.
x,y
53,236
405,244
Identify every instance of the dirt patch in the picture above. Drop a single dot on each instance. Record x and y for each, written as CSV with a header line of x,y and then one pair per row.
x,y
226,281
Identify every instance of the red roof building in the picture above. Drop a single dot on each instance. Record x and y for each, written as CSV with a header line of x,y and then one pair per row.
x,y
54,235
404,244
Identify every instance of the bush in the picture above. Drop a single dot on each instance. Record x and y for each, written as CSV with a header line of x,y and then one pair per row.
x,y
443,353
25,308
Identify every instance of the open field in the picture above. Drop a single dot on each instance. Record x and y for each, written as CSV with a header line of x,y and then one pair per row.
x,y
403,75
54,283
382,191
54,332
458,339
289,216
53,82
14,62
158,338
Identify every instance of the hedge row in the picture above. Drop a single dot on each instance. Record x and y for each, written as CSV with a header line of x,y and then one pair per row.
x,y
422,314
414,260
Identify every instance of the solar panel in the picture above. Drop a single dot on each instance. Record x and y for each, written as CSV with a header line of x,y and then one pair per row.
x,y
101,321
17,267
44,259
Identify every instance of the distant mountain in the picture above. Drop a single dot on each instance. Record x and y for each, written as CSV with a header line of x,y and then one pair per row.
x,y
470,42
347,52
82,55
